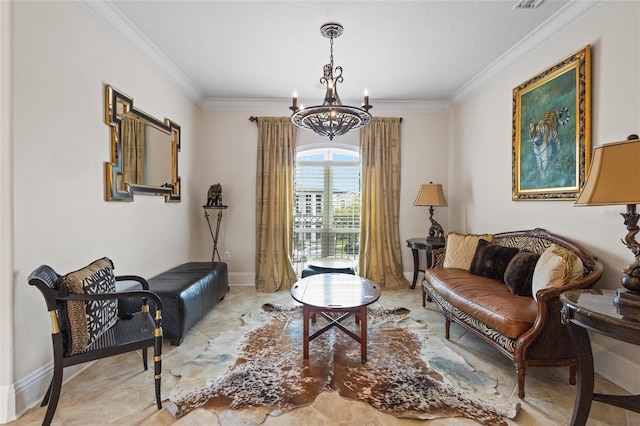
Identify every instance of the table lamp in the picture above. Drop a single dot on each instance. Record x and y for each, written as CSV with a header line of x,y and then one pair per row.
x,y
614,178
432,195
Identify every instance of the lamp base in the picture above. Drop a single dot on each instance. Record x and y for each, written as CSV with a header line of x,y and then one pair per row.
x,y
632,282
435,230
631,277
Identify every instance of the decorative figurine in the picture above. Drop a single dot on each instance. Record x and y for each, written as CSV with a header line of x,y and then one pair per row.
x,y
436,230
214,196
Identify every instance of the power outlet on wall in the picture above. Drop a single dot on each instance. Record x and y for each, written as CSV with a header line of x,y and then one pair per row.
x,y
226,255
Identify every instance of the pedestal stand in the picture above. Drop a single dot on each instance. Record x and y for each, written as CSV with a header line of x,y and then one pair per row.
x,y
214,236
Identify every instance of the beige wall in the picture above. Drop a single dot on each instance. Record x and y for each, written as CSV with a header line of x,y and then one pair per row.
x,y
62,57
480,156
7,356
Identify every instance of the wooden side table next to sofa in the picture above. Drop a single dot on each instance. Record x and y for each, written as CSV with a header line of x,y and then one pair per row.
x,y
416,244
595,310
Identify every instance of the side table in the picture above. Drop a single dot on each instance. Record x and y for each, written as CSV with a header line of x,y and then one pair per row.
x,y
595,310
214,236
416,244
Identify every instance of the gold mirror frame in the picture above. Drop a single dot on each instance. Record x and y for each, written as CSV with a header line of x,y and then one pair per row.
x,y
116,105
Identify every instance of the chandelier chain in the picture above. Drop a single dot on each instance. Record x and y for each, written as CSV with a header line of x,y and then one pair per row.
x,y
331,55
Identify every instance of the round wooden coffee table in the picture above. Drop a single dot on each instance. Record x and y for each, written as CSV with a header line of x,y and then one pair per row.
x,y
335,293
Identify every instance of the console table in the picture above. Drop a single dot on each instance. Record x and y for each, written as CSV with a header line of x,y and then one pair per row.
x,y
214,236
416,244
595,310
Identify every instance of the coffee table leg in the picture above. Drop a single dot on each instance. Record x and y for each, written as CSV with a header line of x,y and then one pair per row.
x,y
306,317
363,334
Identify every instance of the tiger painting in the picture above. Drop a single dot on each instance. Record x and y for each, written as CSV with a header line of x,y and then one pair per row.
x,y
544,137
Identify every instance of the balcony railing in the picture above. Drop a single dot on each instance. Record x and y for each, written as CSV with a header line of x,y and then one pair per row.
x,y
311,241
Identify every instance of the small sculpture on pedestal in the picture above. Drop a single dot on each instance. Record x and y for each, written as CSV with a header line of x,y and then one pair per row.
x,y
214,196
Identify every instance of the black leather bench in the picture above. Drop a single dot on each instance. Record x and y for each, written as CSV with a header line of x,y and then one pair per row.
x,y
188,292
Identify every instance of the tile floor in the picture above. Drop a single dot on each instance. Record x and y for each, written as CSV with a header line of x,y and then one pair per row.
x,y
117,390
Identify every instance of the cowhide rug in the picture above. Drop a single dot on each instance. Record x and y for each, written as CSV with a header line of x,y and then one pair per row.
x,y
266,375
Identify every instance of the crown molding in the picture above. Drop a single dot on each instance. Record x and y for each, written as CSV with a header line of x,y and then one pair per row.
x,y
284,104
566,17
245,103
113,19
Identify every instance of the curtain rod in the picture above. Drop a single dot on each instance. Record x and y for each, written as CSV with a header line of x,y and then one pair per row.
x,y
252,118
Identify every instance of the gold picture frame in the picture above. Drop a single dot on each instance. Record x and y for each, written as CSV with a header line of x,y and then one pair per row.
x,y
551,132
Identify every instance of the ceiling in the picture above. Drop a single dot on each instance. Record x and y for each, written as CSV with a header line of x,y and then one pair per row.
x,y
423,54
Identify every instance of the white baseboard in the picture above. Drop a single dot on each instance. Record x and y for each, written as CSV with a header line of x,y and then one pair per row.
x,y
242,279
617,369
29,391
7,404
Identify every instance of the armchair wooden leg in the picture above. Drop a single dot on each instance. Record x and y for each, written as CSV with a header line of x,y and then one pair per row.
x,y
144,359
572,374
54,394
157,369
45,400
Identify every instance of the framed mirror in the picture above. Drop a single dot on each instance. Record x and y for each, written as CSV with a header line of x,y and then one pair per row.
x,y
144,151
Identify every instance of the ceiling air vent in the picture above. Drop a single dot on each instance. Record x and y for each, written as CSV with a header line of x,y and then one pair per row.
x,y
528,4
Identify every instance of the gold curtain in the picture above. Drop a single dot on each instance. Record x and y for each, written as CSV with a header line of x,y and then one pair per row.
x,y
132,137
274,203
380,255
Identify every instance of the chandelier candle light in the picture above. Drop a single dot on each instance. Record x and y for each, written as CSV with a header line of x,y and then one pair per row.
x,y
431,194
331,119
613,180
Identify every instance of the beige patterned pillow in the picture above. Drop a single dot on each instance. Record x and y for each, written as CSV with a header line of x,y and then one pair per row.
x,y
461,248
556,267
89,320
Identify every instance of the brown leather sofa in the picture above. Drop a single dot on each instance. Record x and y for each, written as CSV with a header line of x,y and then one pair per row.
x,y
527,331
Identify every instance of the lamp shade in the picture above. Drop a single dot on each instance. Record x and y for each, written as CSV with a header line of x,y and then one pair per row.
x,y
614,177
430,194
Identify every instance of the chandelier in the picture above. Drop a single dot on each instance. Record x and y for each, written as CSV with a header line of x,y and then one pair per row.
x,y
331,119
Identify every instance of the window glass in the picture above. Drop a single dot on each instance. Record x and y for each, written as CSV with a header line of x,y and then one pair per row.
x,y
327,182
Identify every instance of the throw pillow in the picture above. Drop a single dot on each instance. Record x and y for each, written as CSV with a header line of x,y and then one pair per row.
x,y
556,267
519,273
491,260
461,248
89,320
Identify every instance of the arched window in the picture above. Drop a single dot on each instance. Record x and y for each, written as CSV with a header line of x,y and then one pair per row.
x,y
327,207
